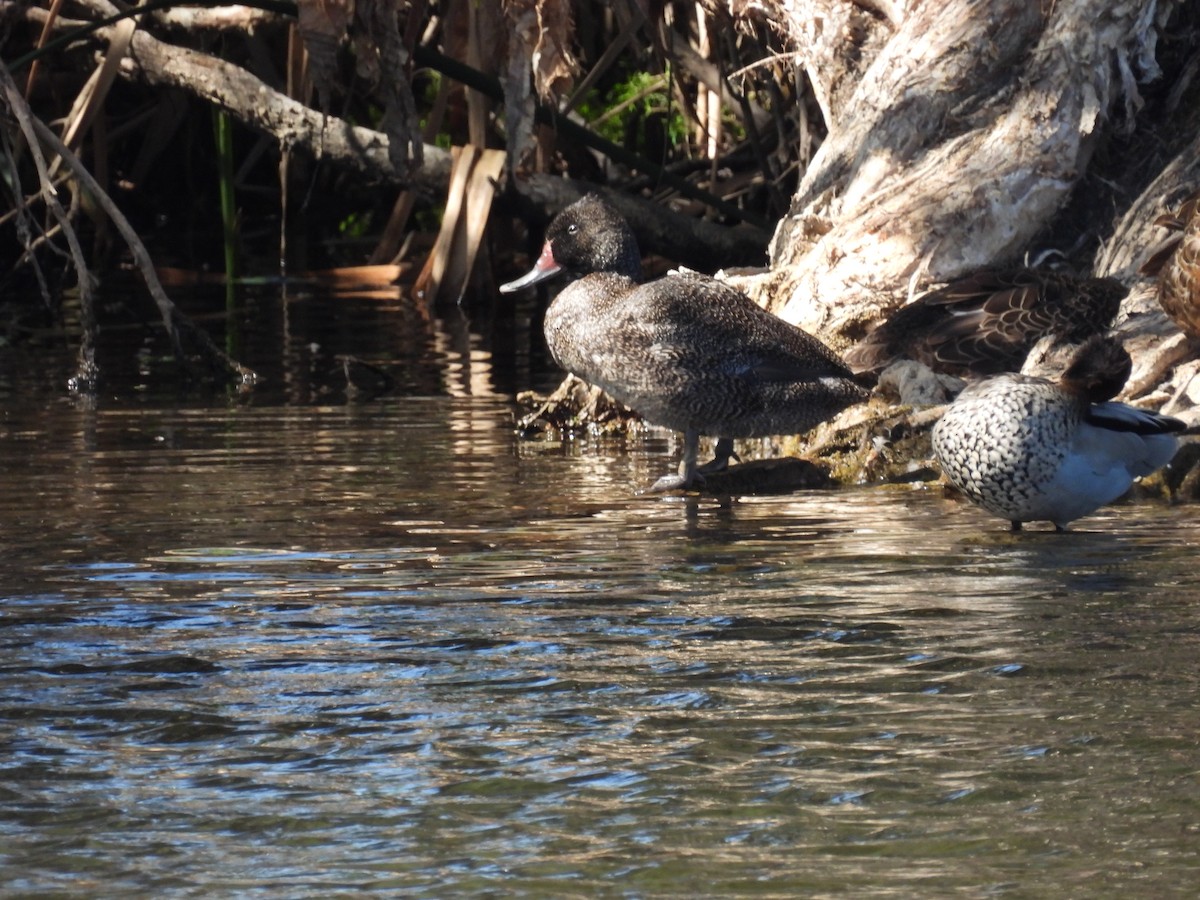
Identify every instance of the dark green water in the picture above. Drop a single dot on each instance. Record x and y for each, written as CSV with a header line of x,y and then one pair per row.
x,y
269,647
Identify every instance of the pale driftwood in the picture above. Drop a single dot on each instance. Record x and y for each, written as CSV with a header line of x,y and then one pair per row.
x,y
231,18
962,137
1153,340
835,41
1136,234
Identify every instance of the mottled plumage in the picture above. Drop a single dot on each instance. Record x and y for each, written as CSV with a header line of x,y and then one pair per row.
x,y
987,322
686,352
1028,449
1176,262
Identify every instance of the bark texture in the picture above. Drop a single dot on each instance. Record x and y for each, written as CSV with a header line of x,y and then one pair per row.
x,y
1164,357
963,135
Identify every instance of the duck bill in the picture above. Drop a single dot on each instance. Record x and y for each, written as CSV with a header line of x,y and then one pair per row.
x,y
543,269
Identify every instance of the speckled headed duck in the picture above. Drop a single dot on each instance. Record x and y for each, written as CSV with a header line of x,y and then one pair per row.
x,y
686,352
1027,449
987,322
1176,262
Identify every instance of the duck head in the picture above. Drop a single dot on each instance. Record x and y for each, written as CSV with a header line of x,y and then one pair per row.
x,y
588,236
1098,370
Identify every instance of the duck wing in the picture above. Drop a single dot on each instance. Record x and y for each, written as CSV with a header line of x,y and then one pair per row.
x,y
988,321
988,328
1115,440
719,327
995,328
1176,261
975,324
1122,417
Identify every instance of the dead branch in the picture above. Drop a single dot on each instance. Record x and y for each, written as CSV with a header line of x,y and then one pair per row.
x,y
683,238
32,128
257,105
176,324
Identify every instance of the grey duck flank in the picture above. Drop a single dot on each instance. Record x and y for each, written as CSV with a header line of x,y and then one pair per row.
x,y
1028,449
686,352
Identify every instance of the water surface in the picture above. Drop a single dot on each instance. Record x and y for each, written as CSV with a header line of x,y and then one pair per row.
x,y
274,646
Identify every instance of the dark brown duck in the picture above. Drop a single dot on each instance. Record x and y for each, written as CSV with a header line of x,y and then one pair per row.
x,y
987,322
1176,262
686,352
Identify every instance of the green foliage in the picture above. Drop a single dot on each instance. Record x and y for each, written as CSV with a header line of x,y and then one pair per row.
x,y
355,225
624,109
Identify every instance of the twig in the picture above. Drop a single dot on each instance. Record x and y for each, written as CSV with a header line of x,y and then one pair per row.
x,y
22,222
31,126
175,322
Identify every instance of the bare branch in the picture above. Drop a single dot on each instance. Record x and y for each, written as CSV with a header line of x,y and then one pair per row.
x,y
32,128
174,321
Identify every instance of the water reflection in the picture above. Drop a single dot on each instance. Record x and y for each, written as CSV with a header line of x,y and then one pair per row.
x,y
306,345
387,647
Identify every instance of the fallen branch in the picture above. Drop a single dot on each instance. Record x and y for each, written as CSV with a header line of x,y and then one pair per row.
x,y
254,103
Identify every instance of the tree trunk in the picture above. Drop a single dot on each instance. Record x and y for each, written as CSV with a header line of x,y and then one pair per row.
x,y
957,130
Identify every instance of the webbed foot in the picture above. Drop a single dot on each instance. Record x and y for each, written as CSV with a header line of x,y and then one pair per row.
x,y
676,483
690,474
722,453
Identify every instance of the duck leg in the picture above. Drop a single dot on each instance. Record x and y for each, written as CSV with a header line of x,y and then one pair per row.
x,y
687,468
721,456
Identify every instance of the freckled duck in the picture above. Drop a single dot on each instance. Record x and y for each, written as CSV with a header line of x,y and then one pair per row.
x,y
987,322
1176,262
1028,449
686,352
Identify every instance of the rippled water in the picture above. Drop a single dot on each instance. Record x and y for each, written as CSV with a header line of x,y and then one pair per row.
x,y
300,650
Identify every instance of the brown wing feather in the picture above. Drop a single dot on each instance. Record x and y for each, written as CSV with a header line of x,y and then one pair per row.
x,y
988,321
1178,265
